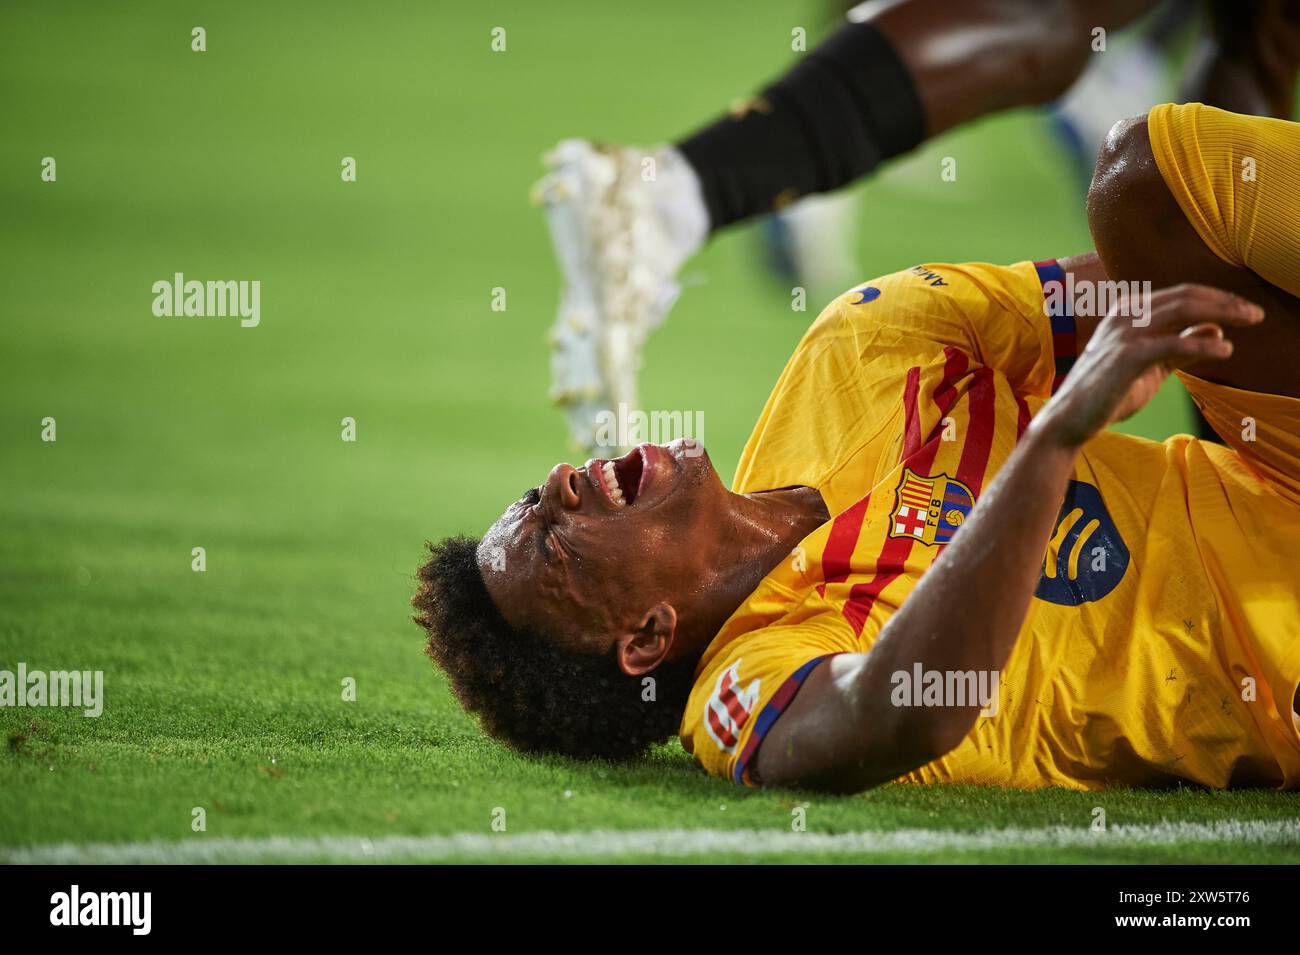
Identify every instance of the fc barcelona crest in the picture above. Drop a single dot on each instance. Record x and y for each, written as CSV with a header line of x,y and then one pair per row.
x,y
929,508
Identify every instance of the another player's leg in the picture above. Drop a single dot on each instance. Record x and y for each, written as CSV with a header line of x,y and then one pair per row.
x,y
623,220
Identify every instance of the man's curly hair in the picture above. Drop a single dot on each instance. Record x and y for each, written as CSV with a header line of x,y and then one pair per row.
x,y
525,690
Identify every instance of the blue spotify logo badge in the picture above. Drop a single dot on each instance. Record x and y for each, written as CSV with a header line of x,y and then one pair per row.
x,y
1086,557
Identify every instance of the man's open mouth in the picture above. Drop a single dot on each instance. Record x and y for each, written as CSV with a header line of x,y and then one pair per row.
x,y
622,478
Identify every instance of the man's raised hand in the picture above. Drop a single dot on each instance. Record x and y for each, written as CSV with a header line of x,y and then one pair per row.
x,y
1126,361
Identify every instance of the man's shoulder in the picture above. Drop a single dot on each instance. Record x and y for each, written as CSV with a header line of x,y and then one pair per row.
x,y
741,682
934,284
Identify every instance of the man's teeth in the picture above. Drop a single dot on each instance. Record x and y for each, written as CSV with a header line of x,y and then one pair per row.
x,y
611,482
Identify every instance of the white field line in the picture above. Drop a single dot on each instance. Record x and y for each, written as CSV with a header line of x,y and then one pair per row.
x,y
657,843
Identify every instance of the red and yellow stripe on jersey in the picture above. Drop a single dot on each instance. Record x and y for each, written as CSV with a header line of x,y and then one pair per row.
x,y
1161,643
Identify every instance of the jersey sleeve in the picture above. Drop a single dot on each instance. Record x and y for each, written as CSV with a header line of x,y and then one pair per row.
x,y
1014,319
744,689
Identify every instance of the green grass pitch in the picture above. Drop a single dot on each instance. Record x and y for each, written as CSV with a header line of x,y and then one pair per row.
x,y
223,688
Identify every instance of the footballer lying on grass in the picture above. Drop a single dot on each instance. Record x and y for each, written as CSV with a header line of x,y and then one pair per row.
x,y
921,452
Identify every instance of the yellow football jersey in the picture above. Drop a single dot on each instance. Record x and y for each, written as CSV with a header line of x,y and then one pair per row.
x,y
1163,641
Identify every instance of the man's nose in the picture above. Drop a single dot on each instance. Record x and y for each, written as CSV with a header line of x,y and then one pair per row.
x,y
562,486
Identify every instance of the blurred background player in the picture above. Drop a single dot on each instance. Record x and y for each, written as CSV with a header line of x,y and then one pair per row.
x,y
624,220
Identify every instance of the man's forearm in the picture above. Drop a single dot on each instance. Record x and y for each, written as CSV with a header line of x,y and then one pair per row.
x,y
967,611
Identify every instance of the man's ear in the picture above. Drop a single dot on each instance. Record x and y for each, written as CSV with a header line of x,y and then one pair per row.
x,y
643,649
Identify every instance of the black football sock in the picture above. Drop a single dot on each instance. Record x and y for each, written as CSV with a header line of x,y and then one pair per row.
x,y
849,104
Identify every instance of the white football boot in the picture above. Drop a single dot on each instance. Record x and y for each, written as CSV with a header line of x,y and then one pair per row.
x,y
623,221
